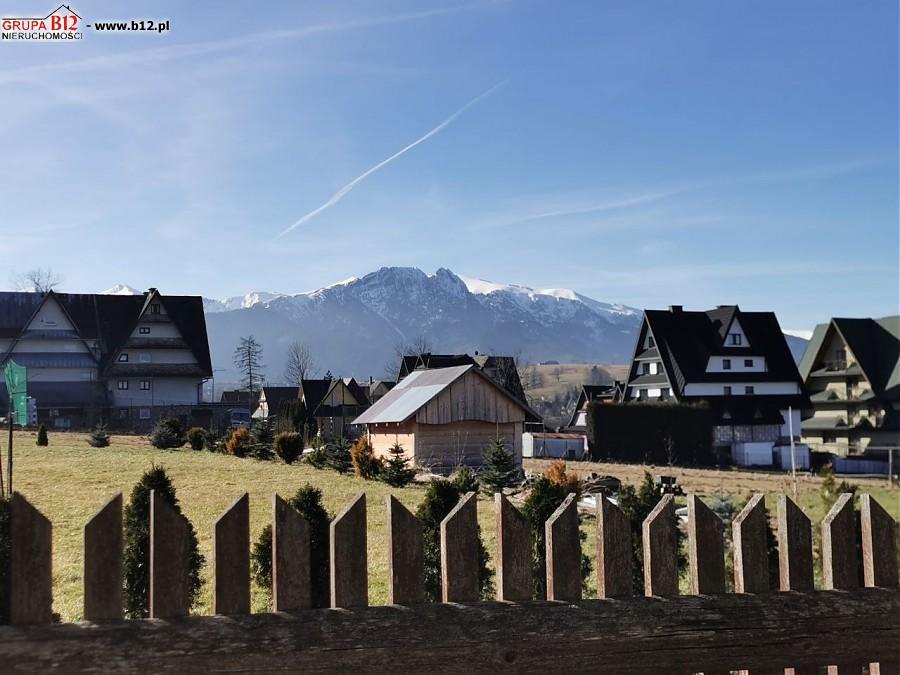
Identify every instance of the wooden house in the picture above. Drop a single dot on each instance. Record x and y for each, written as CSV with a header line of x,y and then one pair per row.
x,y
445,417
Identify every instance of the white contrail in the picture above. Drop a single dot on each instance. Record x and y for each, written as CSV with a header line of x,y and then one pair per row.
x,y
337,196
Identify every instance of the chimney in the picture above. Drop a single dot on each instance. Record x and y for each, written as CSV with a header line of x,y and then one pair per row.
x,y
675,308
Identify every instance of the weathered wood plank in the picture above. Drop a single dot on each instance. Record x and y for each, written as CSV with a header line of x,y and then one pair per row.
x,y
659,635
30,564
795,553
706,548
614,554
406,555
879,549
291,571
751,562
169,560
231,544
660,544
349,559
563,546
513,561
459,552
839,561
103,563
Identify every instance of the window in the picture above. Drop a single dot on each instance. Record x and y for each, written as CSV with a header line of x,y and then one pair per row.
x,y
122,385
123,413
145,413
748,389
642,395
144,357
664,393
144,330
735,339
155,308
727,390
145,385
645,368
650,342
123,358
726,364
654,368
829,438
748,363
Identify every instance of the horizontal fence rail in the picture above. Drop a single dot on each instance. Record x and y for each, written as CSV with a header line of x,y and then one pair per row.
x,y
854,623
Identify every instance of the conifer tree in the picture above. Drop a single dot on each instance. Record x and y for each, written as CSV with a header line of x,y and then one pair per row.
x,y
499,468
397,472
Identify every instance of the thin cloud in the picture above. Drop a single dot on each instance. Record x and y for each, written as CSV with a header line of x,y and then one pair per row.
x,y
340,194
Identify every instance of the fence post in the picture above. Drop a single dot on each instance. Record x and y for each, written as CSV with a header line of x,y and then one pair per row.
x,y
751,556
169,560
614,554
30,564
459,552
103,563
406,556
839,545
291,566
231,543
795,557
563,554
514,582
879,533
660,544
706,549
349,564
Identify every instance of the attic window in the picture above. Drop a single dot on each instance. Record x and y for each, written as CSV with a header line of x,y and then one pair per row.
x,y
123,358
735,339
144,330
650,342
155,308
749,389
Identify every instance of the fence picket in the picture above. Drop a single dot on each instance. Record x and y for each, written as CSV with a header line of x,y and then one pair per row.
x,y
614,554
169,560
514,583
839,545
751,564
406,557
706,548
103,563
795,556
879,532
563,545
349,560
231,543
660,544
459,552
291,571
30,564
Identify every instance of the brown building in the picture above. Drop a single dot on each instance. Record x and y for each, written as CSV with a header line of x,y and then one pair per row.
x,y
445,417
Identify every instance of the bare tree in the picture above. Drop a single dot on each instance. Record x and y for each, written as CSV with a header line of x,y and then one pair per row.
x,y
420,344
248,361
38,280
300,363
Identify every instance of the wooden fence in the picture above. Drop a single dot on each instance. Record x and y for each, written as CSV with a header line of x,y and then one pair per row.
x,y
848,627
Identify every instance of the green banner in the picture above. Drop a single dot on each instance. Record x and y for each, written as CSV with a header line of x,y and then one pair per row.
x,y
17,388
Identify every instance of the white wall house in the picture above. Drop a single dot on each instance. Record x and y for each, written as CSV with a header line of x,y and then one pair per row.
x,y
738,363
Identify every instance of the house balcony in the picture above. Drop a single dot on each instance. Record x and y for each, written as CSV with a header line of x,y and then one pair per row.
x,y
154,369
156,342
836,369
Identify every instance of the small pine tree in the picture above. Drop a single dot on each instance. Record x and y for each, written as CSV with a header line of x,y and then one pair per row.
x,y
365,464
196,436
308,502
499,468
42,439
397,472
98,438
545,497
465,480
338,455
167,434
318,458
441,496
136,562
288,446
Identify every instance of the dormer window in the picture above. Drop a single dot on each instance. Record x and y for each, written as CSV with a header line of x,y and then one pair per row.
x,y
123,358
734,339
650,342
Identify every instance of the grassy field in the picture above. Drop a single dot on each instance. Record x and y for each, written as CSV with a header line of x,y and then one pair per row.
x,y
69,480
556,378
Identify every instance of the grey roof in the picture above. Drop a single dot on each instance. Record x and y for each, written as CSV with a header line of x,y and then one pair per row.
x,y
417,389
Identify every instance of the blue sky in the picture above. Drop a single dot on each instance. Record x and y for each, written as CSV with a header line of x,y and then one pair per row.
x,y
649,153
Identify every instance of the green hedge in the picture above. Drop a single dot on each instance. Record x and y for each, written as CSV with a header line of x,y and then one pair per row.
x,y
651,433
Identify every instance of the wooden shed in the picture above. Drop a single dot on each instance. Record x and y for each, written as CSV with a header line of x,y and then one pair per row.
x,y
444,417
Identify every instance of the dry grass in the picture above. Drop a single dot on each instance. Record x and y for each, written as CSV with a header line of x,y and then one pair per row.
x,y
69,480
558,378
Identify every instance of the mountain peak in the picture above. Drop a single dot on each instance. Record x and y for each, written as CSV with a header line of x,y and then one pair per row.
x,y
121,289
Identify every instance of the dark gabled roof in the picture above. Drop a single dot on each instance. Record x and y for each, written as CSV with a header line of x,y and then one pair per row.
x,y
412,362
110,319
275,395
875,343
239,397
686,340
313,391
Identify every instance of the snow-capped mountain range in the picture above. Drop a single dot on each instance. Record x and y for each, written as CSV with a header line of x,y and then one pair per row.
x,y
352,326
